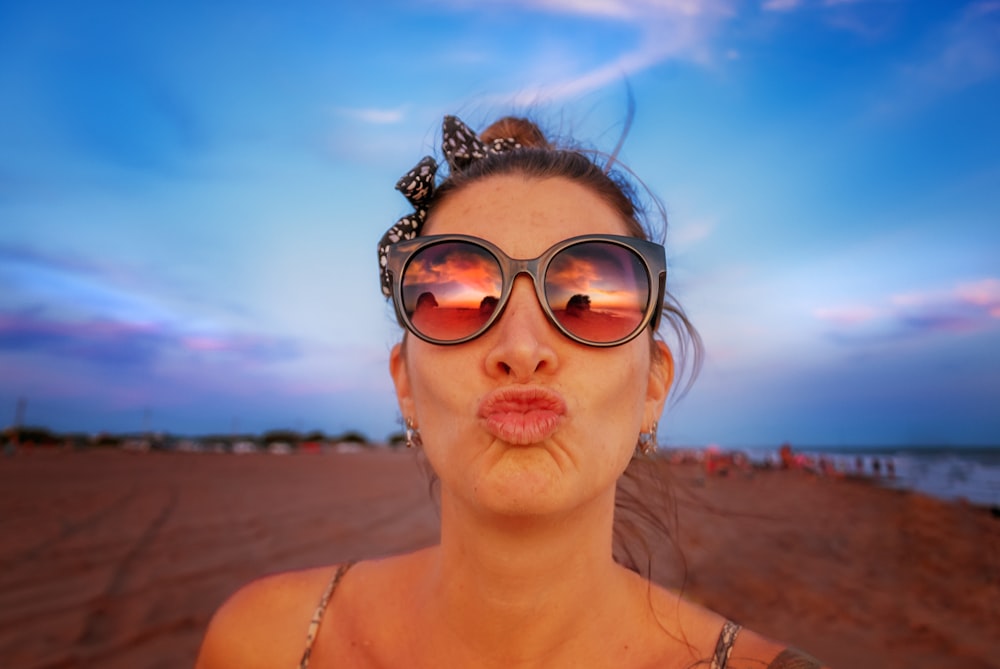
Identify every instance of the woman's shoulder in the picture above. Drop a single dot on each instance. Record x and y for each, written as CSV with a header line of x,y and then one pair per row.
x,y
265,622
712,635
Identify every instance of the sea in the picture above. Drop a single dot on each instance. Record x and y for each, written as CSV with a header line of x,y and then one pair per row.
x,y
971,474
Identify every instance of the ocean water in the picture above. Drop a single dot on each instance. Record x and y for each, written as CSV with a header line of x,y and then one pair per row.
x,y
950,473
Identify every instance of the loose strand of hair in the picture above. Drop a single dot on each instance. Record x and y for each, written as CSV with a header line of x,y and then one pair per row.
x,y
629,117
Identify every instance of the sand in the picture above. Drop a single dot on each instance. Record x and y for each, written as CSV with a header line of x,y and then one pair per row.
x,y
115,559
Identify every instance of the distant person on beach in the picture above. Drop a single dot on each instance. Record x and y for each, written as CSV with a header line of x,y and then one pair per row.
x,y
529,416
786,456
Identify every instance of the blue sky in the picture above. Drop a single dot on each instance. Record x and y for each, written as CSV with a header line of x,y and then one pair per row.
x,y
191,193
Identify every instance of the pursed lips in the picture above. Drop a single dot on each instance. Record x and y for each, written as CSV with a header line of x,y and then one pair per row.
x,y
522,415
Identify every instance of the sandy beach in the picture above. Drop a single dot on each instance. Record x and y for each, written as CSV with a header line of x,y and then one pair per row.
x,y
114,559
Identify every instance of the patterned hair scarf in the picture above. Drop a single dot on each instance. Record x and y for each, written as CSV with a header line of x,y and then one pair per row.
x,y
461,148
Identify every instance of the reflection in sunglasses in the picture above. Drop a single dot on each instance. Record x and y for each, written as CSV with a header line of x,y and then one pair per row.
x,y
603,288
612,278
458,277
450,322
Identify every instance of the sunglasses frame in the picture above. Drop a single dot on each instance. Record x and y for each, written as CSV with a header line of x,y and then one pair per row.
x,y
652,255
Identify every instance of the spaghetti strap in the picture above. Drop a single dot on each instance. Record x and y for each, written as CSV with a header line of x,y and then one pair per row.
x,y
320,610
724,646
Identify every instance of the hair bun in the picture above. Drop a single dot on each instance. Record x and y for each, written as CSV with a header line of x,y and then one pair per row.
x,y
521,130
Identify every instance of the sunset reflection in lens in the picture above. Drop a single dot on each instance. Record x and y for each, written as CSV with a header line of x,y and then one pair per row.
x,y
451,289
597,290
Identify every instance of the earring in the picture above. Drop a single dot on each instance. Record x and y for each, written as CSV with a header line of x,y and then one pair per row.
x,y
413,439
647,441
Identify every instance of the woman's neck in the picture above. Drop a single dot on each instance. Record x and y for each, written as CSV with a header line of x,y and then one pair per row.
x,y
521,588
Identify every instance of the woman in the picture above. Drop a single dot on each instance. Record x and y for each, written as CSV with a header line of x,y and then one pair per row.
x,y
529,385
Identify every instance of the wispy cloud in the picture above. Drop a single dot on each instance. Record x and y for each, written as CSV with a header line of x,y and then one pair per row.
x,y
788,5
961,54
67,307
969,51
626,10
74,284
868,19
109,342
848,316
667,30
103,342
689,233
964,308
374,115
780,5
98,287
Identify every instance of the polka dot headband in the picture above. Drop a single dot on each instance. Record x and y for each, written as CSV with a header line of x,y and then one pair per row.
x,y
461,148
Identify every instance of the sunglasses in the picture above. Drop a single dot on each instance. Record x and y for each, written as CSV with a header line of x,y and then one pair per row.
x,y
599,290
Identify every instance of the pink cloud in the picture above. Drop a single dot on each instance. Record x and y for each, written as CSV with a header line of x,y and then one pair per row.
x,y
963,308
205,344
850,315
985,293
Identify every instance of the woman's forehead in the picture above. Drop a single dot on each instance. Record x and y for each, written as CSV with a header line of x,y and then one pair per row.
x,y
524,216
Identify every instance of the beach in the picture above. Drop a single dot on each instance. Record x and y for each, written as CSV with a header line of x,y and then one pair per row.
x,y
115,559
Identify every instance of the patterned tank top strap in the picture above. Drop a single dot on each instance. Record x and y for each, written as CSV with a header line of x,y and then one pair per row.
x,y
724,646
320,610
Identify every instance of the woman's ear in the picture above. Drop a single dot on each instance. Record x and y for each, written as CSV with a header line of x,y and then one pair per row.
x,y
661,376
401,379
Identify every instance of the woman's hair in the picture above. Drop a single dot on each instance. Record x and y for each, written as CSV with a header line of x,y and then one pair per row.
x,y
644,504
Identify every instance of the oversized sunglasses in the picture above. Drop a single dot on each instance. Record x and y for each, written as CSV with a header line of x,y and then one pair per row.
x,y
599,290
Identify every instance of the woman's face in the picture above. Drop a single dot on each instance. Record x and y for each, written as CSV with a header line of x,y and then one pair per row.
x,y
523,420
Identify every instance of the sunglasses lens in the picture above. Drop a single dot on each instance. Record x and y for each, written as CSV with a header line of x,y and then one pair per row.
x,y
597,290
451,289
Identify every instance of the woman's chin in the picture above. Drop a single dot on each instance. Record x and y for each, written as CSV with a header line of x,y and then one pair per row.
x,y
525,484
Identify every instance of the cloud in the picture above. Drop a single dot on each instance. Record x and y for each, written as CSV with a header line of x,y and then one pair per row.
x,y
984,293
686,234
74,284
71,307
668,29
965,308
847,315
868,19
104,342
780,5
98,287
109,342
96,374
789,5
375,116
624,10
958,56
685,37
969,51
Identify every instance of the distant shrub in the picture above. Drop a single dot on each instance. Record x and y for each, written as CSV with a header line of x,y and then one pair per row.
x,y
354,437
282,436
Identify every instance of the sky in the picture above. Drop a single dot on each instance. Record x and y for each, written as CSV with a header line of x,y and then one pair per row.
x,y
191,194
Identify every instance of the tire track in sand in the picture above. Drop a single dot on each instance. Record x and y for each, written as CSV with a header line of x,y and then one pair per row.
x,y
104,617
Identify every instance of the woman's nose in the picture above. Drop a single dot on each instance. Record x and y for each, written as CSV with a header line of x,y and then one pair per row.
x,y
522,340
